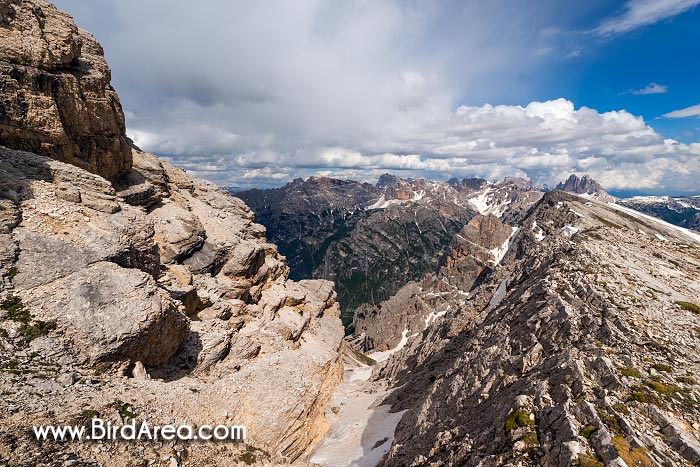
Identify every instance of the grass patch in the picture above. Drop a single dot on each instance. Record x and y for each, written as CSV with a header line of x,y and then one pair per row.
x,y
609,420
588,430
633,457
621,408
584,460
518,419
15,309
36,329
663,388
644,395
629,372
530,439
692,307
662,367
686,380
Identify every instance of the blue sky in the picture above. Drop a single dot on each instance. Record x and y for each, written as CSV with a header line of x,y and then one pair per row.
x,y
255,94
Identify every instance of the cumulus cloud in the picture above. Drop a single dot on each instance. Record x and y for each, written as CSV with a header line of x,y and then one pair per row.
x,y
545,141
651,88
257,93
640,13
692,111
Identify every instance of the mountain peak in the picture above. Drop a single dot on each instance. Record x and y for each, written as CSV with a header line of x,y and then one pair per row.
x,y
584,185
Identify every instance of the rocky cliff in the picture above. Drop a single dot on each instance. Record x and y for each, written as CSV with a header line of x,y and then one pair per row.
x,y
584,186
578,348
56,95
130,289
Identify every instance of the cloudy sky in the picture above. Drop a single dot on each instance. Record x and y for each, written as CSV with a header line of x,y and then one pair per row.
x,y
256,93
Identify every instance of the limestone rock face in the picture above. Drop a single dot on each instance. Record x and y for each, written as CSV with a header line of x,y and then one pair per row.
x,y
57,99
576,348
112,314
123,280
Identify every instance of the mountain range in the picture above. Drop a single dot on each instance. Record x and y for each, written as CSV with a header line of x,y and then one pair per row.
x,y
487,323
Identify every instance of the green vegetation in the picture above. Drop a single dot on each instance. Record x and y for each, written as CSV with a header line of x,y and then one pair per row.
x,y
16,311
609,420
124,409
662,367
11,272
663,388
686,380
644,395
37,329
86,416
629,372
585,460
621,408
633,457
530,439
517,419
588,430
692,307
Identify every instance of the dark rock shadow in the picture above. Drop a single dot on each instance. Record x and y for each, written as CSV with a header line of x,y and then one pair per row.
x,y
183,362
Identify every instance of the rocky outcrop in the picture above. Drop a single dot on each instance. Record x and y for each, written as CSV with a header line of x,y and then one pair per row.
x,y
480,245
577,348
119,282
130,289
56,94
584,186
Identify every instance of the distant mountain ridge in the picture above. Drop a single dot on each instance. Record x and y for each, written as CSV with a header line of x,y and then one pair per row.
x,y
681,211
373,239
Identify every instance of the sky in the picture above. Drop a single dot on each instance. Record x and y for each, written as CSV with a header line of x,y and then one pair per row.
x,y
255,94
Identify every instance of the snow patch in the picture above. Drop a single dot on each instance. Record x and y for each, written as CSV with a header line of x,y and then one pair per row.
x,y
481,203
639,215
661,237
499,252
569,230
498,295
384,355
539,233
433,316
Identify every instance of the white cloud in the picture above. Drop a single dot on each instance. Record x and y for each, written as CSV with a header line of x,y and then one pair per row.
x,y
651,88
259,93
692,111
543,140
640,13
